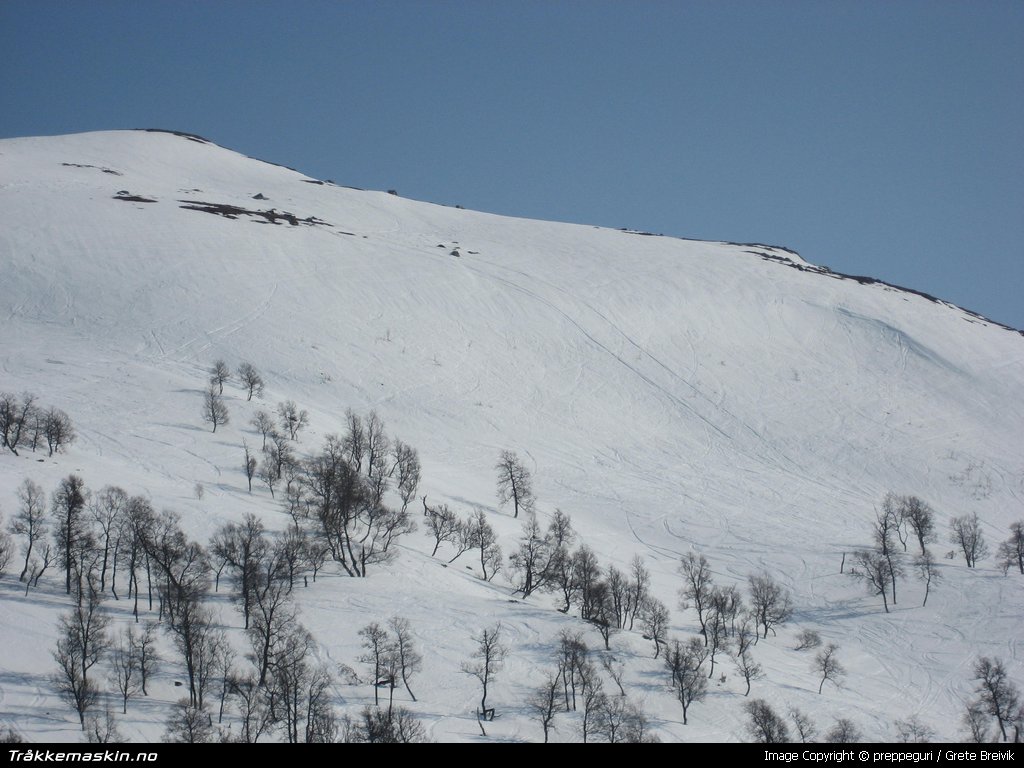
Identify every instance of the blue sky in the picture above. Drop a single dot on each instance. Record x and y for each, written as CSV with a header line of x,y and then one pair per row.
x,y
879,138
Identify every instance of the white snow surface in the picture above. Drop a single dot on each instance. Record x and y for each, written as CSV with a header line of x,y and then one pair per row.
x,y
670,395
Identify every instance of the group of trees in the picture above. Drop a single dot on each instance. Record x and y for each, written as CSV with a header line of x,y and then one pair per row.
x,y
341,495
574,686
215,410
995,713
392,657
350,503
472,533
966,533
902,519
996,698
282,688
26,424
765,726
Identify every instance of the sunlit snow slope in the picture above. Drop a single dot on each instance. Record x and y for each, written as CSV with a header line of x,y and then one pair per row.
x,y
669,395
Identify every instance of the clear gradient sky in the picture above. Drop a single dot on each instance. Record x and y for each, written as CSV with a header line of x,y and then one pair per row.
x,y
879,138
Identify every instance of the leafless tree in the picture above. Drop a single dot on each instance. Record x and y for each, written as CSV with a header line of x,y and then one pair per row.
x,y
372,726
1011,551
188,723
243,548
377,645
483,538
748,668
887,523
215,411
717,636
68,507
15,417
593,698
249,465
58,429
805,727
807,638
69,681
251,380
514,483
997,696
377,444
542,702
965,532
213,667
8,416
409,659
135,526
291,418
124,662
147,654
769,602
184,576
654,617
764,725
102,730
302,691
443,524
293,552
278,461
273,613
895,508
573,657
844,731
534,563
590,587
30,520
913,731
828,666
616,720
697,587
106,510
639,587
729,602
82,642
927,571
872,568
602,613
565,578
358,531
488,660
976,723
921,518
637,727
219,373
270,470
406,469
35,432
6,548
263,424
253,702
354,442
684,662
617,595
746,634
615,669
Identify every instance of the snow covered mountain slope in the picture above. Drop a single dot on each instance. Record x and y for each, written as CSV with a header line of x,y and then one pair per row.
x,y
670,395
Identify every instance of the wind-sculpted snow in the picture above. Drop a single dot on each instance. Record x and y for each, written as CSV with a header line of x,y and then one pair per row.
x,y
670,395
